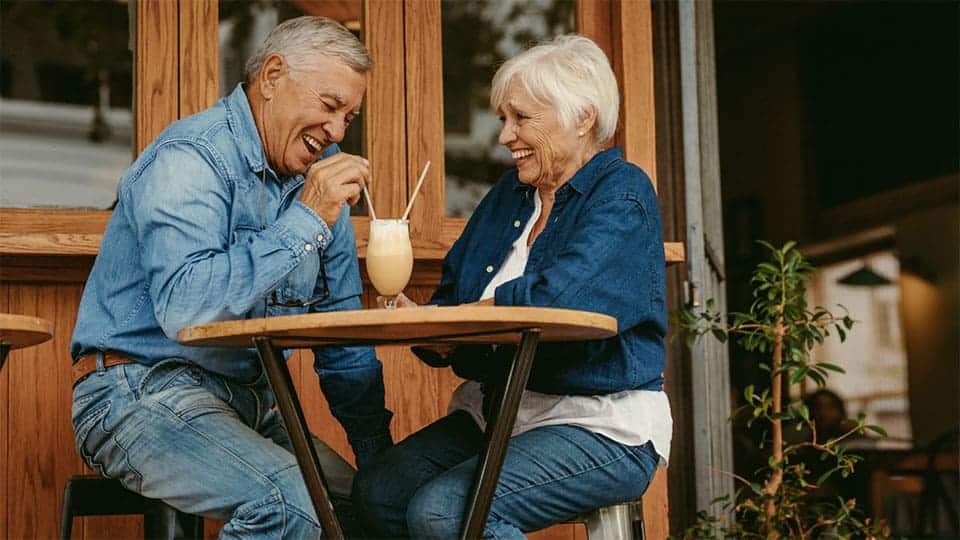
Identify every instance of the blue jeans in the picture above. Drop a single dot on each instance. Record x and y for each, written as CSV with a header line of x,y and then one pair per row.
x,y
202,443
419,488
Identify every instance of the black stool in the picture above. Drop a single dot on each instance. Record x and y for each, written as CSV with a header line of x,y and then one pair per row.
x,y
95,496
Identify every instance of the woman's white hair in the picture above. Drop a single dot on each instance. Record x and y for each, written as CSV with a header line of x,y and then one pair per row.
x,y
301,39
569,73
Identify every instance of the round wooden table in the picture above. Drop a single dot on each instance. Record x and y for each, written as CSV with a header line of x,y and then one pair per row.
x,y
18,331
423,325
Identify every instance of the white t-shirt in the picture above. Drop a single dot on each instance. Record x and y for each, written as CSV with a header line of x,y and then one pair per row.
x,y
632,417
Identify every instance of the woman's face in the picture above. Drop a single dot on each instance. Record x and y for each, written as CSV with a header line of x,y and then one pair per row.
x,y
547,154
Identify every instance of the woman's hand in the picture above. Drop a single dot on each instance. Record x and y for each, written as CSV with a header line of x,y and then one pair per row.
x,y
402,302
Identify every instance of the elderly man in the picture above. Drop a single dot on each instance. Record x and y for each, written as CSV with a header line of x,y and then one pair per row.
x,y
239,211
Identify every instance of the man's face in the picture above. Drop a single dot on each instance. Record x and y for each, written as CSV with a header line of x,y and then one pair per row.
x,y
310,110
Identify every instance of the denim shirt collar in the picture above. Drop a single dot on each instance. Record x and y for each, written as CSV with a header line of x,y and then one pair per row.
x,y
584,178
244,128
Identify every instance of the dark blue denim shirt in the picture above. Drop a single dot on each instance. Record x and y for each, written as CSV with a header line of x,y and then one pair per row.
x,y
601,251
198,236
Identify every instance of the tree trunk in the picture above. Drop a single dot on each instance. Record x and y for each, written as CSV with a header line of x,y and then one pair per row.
x,y
776,478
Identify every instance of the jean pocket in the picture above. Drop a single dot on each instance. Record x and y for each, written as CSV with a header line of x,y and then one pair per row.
x,y
101,449
168,374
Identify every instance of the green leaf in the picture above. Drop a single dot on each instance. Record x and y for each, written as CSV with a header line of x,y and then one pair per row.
x,y
719,334
799,375
877,429
832,367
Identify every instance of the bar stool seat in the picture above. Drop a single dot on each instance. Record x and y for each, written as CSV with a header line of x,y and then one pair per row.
x,y
618,522
91,495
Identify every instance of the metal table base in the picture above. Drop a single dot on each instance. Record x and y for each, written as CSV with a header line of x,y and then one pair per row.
x,y
496,436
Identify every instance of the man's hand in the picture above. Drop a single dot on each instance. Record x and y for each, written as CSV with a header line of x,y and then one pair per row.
x,y
333,181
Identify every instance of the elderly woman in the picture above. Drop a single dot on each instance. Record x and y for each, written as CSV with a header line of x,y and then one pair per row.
x,y
572,226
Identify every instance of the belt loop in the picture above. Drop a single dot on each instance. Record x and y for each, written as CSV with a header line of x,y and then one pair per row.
x,y
100,368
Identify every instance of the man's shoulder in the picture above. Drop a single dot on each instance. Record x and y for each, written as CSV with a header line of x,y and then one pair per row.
x,y
209,134
210,127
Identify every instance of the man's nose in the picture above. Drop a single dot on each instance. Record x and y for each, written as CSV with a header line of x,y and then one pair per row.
x,y
336,129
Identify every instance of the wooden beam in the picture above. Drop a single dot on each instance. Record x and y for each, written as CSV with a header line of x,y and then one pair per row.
x,y
632,30
384,125
633,62
199,55
425,142
155,69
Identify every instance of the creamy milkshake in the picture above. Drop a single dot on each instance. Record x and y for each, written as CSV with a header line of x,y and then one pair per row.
x,y
389,257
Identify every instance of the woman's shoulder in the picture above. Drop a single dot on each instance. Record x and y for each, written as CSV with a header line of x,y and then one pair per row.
x,y
621,177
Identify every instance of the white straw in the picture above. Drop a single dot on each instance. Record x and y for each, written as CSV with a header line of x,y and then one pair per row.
x,y
366,195
416,190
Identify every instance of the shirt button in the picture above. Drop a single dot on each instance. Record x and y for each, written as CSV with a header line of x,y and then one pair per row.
x,y
308,247
319,238
489,269
516,224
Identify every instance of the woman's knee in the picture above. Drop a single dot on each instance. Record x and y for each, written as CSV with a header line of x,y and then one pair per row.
x,y
436,509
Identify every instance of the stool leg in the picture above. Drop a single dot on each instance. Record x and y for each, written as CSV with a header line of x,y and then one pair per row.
x,y
618,522
66,515
160,522
610,523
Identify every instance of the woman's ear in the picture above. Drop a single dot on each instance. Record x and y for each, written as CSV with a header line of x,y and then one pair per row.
x,y
586,120
273,69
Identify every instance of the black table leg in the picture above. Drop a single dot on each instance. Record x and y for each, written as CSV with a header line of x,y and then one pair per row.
x,y
4,351
282,385
496,437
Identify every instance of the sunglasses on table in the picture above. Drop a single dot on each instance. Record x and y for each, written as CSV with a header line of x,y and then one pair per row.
x,y
274,302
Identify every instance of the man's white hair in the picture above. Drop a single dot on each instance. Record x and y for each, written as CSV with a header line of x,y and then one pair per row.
x,y
301,39
569,73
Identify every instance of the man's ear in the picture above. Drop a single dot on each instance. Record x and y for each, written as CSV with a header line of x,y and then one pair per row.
x,y
272,70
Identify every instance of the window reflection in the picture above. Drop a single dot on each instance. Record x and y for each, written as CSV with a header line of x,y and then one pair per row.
x,y
66,85
245,24
477,37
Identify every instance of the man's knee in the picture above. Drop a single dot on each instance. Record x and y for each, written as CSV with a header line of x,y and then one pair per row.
x,y
282,508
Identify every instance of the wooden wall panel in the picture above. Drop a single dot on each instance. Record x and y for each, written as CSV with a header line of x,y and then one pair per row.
x,y
593,21
5,463
425,119
384,129
156,92
199,55
633,63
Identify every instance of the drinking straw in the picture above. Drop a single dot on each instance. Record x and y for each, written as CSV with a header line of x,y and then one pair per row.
x,y
366,195
416,190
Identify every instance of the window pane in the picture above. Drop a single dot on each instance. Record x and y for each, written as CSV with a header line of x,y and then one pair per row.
x,y
244,24
477,37
66,85
873,355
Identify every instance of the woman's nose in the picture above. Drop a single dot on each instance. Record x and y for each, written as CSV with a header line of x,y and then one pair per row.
x,y
507,134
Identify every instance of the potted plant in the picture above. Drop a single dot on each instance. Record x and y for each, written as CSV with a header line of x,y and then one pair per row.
x,y
778,500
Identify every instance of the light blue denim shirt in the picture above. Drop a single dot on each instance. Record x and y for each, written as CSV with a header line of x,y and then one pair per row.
x,y
197,236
